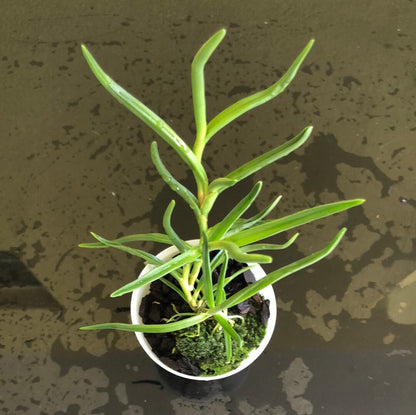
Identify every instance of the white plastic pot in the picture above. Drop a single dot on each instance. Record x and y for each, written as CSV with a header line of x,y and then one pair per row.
x,y
138,294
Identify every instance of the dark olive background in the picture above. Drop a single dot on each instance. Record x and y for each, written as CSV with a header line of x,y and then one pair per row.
x,y
73,160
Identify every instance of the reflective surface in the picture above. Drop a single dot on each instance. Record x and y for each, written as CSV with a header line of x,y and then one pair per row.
x,y
73,160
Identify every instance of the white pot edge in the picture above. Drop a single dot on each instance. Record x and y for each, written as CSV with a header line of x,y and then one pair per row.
x,y
267,293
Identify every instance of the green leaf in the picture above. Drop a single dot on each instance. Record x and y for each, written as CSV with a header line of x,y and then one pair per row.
x,y
242,224
176,240
132,251
228,328
261,215
222,227
269,247
273,227
166,268
270,157
228,347
207,273
149,118
279,274
176,186
198,83
151,259
145,237
220,184
218,259
220,292
237,273
151,328
174,288
246,104
236,253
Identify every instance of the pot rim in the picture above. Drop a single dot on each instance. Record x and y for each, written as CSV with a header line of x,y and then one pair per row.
x,y
267,293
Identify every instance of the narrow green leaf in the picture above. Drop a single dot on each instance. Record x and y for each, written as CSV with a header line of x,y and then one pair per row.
x,y
236,253
132,251
176,240
218,259
279,274
145,237
273,227
261,215
270,157
149,118
242,224
198,83
176,186
228,347
269,247
220,292
151,259
220,184
225,324
218,231
167,268
253,166
206,273
174,288
252,101
237,273
151,328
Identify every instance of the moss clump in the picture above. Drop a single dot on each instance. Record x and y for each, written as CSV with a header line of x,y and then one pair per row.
x,y
205,346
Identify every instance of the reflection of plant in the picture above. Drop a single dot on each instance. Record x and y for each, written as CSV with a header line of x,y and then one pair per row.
x,y
233,237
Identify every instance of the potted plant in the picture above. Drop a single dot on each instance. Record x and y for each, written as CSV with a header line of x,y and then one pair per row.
x,y
207,301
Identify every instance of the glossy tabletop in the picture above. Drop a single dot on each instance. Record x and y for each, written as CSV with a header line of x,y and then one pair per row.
x,y
72,160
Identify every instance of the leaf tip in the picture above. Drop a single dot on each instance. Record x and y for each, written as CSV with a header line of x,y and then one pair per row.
x,y
116,294
85,50
86,328
221,33
337,239
357,202
96,236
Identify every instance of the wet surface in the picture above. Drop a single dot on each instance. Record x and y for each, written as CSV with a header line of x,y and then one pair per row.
x,y
73,160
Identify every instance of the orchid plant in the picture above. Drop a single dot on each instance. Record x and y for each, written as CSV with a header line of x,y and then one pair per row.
x,y
234,236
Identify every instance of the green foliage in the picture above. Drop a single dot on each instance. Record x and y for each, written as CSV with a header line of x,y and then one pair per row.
x,y
233,237
206,349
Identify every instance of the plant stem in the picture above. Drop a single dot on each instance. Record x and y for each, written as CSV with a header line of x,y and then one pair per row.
x,y
194,273
187,290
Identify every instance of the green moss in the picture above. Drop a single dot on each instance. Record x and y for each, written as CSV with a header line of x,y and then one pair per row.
x,y
205,346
